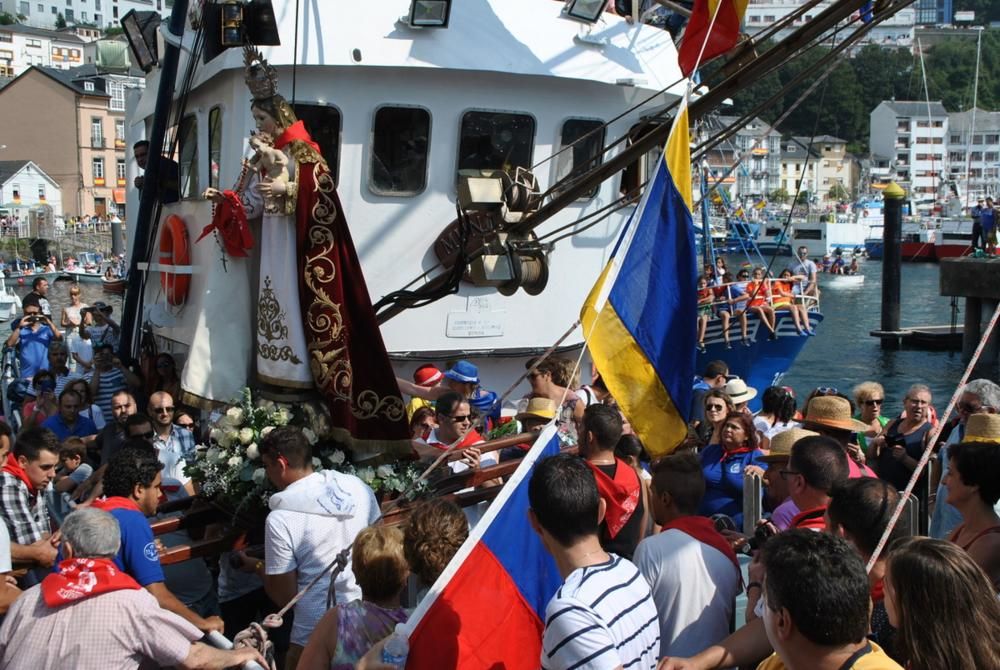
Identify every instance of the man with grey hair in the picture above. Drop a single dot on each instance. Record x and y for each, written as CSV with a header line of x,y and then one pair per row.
x,y
980,396
89,614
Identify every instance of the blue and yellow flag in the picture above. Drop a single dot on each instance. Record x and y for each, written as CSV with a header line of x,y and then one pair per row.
x,y
639,319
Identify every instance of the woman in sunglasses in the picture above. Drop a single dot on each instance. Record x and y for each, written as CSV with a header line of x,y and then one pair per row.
x,y
869,398
717,406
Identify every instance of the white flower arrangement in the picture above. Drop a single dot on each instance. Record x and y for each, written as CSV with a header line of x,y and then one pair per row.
x,y
231,468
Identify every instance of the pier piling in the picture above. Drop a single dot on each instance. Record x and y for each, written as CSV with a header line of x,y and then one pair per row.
x,y
975,279
891,262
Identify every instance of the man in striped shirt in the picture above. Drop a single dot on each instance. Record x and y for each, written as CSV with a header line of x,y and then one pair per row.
x,y
602,617
109,377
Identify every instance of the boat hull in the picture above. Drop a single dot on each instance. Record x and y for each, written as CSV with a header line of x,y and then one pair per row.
x,y
113,285
918,251
765,361
952,250
27,279
841,281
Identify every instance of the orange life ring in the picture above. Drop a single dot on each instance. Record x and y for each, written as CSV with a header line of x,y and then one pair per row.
x,y
175,249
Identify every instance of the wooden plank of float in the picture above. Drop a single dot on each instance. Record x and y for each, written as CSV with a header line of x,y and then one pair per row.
x,y
171,269
200,549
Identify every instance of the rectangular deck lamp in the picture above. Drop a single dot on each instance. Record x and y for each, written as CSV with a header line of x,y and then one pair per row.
x,y
585,10
430,13
140,32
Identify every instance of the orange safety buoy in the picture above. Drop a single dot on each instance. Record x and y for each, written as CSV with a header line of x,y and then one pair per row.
x,y
175,249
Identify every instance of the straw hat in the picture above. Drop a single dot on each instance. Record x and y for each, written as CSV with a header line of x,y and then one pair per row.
x,y
538,408
781,444
830,411
738,391
983,428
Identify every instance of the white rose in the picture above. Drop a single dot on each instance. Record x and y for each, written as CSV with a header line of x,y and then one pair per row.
x,y
215,434
317,464
235,461
229,436
246,435
212,454
366,474
337,457
385,471
267,404
310,436
259,476
281,417
253,453
234,415
266,430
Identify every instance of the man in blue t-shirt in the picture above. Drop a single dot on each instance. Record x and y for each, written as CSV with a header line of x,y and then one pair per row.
x,y
68,422
988,219
132,486
32,334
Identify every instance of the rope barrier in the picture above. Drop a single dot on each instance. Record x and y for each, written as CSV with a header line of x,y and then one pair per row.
x,y
926,456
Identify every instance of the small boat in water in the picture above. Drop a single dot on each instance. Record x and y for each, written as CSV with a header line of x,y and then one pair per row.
x,y
10,304
832,280
113,285
26,278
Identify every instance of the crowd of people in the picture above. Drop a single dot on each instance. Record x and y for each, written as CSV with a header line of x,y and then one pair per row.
x,y
650,553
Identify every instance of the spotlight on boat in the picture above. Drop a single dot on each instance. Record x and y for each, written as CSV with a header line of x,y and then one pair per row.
x,y
233,23
232,33
585,10
429,13
140,31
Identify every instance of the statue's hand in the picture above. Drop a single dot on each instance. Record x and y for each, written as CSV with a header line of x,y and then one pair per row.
x,y
273,188
213,194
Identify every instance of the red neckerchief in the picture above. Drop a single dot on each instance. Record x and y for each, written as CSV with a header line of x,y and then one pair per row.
x,y
471,438
703,530
80,578
811,519
296,131
734,452
620,494
230,219
14,468
116,502
878,591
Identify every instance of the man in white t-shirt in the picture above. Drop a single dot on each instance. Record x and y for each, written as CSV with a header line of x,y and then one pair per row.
x,y
803,267
691,569
602,616
314,516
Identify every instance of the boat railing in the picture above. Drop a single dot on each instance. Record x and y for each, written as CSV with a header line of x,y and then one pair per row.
x,y
778,302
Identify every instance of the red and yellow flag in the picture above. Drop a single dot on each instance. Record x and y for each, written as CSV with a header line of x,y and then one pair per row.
x,y
724,33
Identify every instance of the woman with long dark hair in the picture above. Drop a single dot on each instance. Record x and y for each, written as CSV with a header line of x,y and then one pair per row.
x,y
943,606
718,405
776,414
973,482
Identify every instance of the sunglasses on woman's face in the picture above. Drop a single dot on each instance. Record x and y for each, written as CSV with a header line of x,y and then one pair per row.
x,y
715,408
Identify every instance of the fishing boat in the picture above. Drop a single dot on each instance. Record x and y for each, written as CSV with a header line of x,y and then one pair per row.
x,y
826,234
917,242
26,278
87,267
954,239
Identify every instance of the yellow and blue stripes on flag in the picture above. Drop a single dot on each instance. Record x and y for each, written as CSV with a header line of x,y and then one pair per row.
x,y
639,319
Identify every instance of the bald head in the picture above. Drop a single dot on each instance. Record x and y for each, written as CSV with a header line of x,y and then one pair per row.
x,y
161,409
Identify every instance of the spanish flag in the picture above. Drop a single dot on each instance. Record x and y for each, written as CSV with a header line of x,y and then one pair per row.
x,y
724,32
639,319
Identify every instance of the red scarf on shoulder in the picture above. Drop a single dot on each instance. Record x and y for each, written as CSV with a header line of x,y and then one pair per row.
x,y
80,578
296,131
621,494
703,530
116,502
14,468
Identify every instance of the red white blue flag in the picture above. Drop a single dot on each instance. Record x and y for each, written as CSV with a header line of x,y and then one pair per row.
x,y
487,609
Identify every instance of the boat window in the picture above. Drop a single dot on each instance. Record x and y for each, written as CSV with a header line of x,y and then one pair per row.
x,y
636,173
323,124
495,141
399,151
808,234
214,146
587,139
188,136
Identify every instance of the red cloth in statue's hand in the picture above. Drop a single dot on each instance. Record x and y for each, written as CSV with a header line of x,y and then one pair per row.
x,y
230,220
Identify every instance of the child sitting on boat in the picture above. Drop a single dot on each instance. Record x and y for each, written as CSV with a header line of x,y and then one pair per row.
x,y
705,298
759,297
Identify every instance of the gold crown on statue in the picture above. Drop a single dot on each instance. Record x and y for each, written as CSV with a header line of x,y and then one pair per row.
x,y
261,78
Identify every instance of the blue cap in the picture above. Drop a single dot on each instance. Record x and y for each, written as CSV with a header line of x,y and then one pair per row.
x,y
463,371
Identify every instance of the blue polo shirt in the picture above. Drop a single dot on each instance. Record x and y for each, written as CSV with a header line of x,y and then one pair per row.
x,y
724,481
137,556
34,350
988,218
82,428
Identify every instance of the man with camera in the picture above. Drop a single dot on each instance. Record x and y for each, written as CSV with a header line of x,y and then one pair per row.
x,y
32,336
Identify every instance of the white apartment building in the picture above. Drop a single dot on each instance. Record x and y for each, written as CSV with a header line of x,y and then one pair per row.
x,y
762,15
23,46
99,13
23,184
912,137
758,174
974,153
